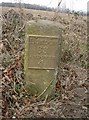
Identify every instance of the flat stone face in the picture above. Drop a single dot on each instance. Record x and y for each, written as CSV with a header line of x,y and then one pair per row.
x,y
42,53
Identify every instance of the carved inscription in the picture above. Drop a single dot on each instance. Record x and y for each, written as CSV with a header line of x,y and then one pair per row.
x,y
43,52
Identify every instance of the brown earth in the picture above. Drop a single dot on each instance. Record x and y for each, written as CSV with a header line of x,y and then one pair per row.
x,y
70,100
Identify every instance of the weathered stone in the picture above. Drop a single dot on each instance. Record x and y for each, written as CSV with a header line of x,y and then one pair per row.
x,y
42,54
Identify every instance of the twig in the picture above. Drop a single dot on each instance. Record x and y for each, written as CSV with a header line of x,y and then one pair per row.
x,y
45,99
45,89
9,45
22,28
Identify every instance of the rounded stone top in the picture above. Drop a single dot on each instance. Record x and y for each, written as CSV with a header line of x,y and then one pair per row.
x,y
44,27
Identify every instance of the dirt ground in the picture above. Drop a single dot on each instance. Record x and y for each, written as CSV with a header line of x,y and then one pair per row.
x,y
71,96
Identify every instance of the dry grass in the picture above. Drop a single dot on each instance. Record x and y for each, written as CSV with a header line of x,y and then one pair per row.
x,y
16,101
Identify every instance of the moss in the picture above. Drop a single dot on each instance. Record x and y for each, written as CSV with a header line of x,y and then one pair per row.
x,y
43,28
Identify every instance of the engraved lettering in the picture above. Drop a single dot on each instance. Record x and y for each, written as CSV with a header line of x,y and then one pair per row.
x,y
42,52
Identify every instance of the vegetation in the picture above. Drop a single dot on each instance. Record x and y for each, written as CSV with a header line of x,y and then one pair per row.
x,y
70,98
27,6
38,7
